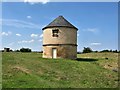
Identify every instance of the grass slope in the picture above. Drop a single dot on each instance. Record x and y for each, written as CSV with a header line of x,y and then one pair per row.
x,y
29,70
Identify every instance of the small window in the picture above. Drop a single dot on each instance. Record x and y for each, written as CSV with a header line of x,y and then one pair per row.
x,y
55,33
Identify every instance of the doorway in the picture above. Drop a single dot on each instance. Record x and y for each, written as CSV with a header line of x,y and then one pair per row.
x,y
54,53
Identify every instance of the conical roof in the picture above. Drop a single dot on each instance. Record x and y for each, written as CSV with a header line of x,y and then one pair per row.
x,y
60,22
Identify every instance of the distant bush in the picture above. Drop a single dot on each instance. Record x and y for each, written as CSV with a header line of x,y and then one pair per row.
x,y
41,51
115,51
17,51
11,50
105,51
87,50
79,52
25,50
95,51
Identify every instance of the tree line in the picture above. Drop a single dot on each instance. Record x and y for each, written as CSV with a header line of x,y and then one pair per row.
x,y
21,50
85,50
25,50
89,50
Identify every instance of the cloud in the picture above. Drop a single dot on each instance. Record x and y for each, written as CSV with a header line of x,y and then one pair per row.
x,y
31,41
18,34
93,30
34,35
95,44
37,1
41,35
5,33
19,24
25,41
29,17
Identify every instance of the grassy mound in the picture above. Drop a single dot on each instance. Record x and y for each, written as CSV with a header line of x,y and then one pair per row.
x,y
30,70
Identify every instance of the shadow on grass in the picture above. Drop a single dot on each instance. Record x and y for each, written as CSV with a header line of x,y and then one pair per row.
x,y
86,59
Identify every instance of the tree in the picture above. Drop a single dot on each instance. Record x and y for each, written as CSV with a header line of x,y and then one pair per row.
x,y
11,50
79,52
105,51
41,51
17,51
87,50
115,51
111,50
25,50
95,51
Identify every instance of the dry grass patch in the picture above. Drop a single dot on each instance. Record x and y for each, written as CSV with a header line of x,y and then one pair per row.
x,y
21,69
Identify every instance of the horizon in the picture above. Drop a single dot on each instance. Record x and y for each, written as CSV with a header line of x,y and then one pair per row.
x,y
42,50
97,25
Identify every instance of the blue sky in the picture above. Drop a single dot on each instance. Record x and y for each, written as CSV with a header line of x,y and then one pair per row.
x,y
22,23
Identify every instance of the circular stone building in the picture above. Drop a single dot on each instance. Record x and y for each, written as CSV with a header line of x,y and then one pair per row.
x,y
60,39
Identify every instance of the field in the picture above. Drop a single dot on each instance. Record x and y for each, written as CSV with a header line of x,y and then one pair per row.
x,y
30,70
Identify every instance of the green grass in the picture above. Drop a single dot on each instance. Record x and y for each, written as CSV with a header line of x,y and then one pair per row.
x,y
30,70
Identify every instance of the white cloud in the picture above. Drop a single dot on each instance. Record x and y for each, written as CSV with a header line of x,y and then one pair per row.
x,y
93,30
37,1
25,41
34,35
18,34
31,41
41,35
5,33
29,17
19,24
95,44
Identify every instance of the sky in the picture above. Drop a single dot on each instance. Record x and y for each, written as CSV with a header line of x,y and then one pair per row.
x,y
22,23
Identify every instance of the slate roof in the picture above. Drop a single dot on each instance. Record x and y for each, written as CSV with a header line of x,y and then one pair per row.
x,y
60,22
